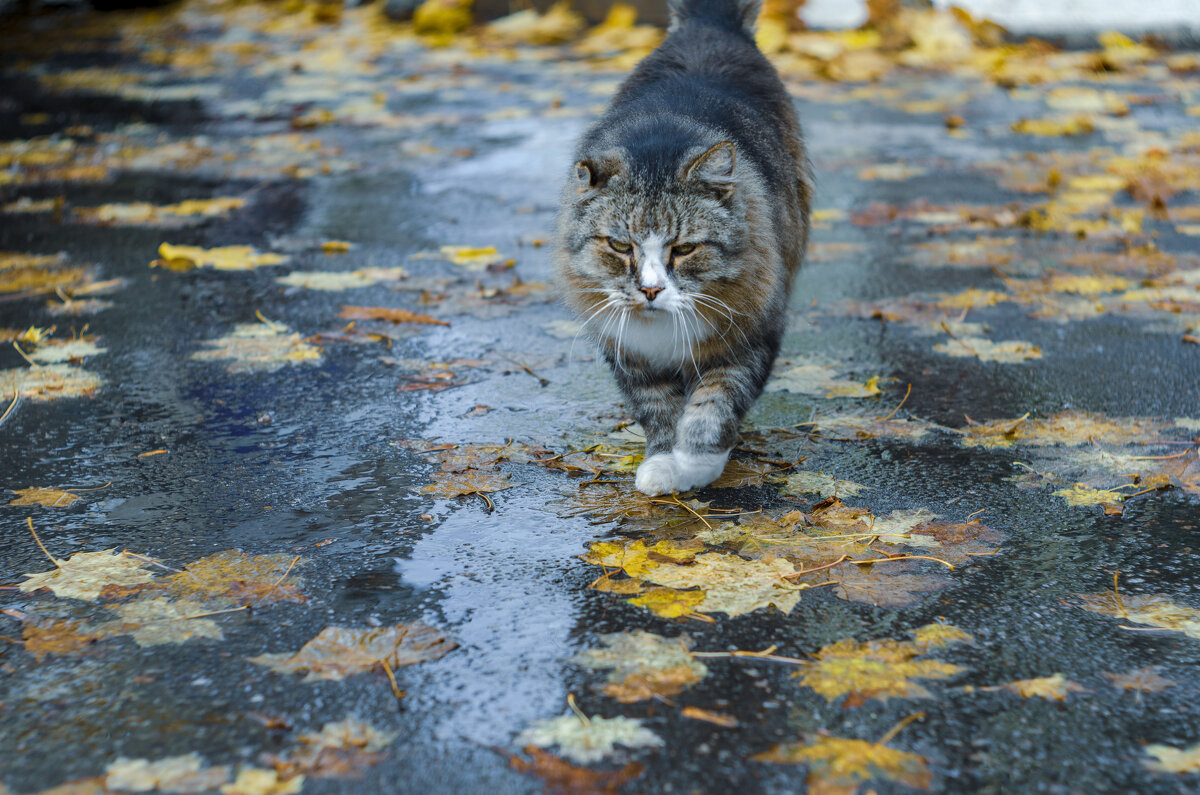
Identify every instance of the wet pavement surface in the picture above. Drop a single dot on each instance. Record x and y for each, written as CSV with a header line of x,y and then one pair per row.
x,y
990,388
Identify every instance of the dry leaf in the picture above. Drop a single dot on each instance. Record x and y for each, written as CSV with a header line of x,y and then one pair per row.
x,y
85,574
155,621
232,577
390,315
644,665
838,766
63,637
740,473
183,774
1153,610
224,258
708,716
808,482
256,781
588,740
1168,759
259,347
338,652
337,281
563,778
49,382
880,669
1145,680
340,750
1051,688
46,497
463,484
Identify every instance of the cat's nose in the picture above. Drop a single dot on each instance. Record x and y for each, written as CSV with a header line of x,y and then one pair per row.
x,y
650,292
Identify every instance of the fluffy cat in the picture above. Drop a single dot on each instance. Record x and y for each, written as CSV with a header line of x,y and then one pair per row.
x,y
680,229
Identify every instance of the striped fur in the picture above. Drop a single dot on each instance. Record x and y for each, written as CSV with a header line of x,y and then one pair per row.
x,y
680,230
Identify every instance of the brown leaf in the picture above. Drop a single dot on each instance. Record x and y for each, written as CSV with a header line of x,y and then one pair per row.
x,y
255,580
464,484
839,765
64,637
338,652
563,778
1145,680
743,473
717,718
389,314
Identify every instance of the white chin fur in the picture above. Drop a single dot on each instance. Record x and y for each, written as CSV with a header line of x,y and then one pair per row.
x,y
664,473
656,336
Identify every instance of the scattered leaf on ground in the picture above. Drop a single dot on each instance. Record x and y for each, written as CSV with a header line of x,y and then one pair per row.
x,y
563,778
1051,688
47,497
388,314
259,346
879,669
588,740
809,482
338,652
838,766
1145,680
1168,759
85,574
1153,610
644,665
334,281
224,258
183,774
157,621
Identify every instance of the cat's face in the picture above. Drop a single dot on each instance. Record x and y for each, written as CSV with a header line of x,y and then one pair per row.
x,y
663,251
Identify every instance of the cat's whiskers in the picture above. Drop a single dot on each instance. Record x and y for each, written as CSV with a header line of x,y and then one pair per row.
x,y
714,303
620,336
603,306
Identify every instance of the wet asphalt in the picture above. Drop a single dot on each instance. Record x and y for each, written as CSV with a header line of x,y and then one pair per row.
x,y
321,459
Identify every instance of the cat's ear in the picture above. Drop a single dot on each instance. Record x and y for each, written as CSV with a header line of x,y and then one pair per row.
x,y
715,167
594,173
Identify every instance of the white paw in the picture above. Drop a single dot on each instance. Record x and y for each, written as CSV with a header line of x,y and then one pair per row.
x,y
693,470
656,475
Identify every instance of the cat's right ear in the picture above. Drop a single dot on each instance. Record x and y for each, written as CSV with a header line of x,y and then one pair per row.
x,y
593,173
585,176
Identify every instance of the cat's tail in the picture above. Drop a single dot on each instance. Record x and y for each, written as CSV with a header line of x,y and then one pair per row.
x,y
734,14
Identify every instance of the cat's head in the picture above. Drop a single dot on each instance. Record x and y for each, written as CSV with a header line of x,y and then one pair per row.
x,y
641,236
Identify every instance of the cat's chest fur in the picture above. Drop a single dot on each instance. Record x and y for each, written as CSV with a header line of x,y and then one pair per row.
x,y
658,339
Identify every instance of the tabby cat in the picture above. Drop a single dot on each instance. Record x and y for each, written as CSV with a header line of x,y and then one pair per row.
x,y
680,230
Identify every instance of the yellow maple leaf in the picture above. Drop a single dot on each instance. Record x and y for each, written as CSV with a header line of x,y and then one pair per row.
x,y
47,497
1168,759
1082,494
837,765
1051,688
224,258
668,602
259,346
880,669
85,574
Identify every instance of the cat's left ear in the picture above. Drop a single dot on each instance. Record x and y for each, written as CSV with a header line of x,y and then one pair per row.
x,y
715,167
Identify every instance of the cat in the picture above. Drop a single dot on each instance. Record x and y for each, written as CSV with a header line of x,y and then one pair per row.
x,y
680,229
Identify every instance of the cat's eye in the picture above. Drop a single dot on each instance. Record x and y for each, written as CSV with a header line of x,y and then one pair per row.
x,y
620,246
683,249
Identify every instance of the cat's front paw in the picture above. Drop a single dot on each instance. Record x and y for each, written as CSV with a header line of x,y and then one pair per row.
x,y
656,475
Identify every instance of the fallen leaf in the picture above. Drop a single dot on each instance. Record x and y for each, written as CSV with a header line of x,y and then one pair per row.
x,y
47,497
715,718
644,665
880,669
63,637
588,740
563,778
184,774
1152,610
1168,759
1065,428
809,482
232,577
63,351
390,315
1004,352
1082,494
480,482
157,621
838,766
338,652
337,281
1051,688
257,781
224,258
49,382
668,602
254,347
343,749
740,473
336,246
1145,680
473,258
85,574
